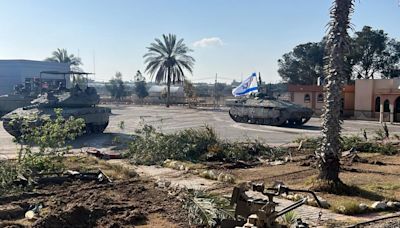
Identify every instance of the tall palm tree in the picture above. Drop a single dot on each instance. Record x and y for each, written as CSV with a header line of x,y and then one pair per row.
x,y
338,45
61,56
167,59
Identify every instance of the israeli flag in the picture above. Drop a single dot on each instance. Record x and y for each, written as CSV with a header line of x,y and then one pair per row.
x,y
249,85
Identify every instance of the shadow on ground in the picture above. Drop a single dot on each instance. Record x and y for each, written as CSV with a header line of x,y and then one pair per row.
x,y
115,141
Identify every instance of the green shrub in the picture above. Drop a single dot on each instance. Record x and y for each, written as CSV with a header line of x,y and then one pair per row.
x,y
200,144
353,141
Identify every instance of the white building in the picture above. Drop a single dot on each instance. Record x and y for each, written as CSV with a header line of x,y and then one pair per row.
x,y
157,94
13,72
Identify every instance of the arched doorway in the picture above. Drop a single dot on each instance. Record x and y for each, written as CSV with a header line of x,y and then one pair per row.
x,y
397,110
377,104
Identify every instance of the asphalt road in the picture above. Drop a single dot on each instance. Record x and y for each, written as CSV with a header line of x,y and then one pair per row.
x,y
178,118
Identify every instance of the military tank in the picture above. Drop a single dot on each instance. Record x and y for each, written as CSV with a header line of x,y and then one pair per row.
x,y
76,102
266,110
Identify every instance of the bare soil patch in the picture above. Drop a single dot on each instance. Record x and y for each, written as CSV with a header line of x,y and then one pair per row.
x,y
126,202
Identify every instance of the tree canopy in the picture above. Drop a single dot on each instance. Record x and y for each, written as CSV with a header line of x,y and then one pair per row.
x,y
140,86
116,87
375,54
371,54
167,60
303,65
62,56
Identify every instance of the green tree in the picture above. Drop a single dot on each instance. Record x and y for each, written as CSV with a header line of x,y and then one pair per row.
x,y
337,48
303,65
62,56
139,76
375,54
167,60
116,87
141,90
189,89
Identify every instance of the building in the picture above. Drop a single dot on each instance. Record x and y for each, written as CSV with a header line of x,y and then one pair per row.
x,y
378,99
157,95
13,72
312,96
367,99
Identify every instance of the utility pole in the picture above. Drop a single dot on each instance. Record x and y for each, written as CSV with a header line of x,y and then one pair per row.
x,y
215,91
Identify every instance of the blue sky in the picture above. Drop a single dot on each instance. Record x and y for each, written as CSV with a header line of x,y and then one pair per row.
x,y
232,37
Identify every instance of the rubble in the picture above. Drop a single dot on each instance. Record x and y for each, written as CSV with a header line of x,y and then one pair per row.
x,y
379,205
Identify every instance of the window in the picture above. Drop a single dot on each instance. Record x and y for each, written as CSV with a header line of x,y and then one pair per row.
x,y
307,98
320,98
377,104
386,106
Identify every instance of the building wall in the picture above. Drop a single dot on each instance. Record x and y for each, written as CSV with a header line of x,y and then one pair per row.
x,y
14,72
316,98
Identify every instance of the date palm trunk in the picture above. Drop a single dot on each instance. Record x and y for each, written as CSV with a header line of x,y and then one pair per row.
x,y
168,87
336,73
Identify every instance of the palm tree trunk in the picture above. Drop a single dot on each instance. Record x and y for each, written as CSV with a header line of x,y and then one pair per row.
x,y
168,87
336,73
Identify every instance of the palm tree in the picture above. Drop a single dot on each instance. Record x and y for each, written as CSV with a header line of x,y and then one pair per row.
x,y
337,47
167,60
61,56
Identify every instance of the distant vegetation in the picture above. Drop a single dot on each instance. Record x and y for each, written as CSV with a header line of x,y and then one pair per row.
x,y
116,87
372,54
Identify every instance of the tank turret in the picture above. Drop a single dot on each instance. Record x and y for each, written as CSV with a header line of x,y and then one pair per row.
x,y
264,108
76,102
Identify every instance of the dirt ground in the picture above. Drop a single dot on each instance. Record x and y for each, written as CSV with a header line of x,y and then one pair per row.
x,y
123,203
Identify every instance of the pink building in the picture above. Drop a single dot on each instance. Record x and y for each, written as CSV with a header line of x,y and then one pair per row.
x,y
368,99
312,96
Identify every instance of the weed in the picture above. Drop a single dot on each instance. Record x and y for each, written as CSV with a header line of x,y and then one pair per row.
x,y
205,209
289,218
348,207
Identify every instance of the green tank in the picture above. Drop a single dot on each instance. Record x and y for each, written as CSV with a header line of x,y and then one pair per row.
x,y
266,110
76,102
11,102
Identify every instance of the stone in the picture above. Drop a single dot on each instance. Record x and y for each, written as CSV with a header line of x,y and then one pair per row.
x,y
324,202
391,204
290,197
396,204
277,162
379,205
363,206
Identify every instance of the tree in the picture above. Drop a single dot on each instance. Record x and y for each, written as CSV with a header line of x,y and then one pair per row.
x,y
374,54
167,60
337,48
303,65
188,88
116,87
62,56
140,86
139,76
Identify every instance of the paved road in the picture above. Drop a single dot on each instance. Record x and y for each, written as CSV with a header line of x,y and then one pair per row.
x,y
177,118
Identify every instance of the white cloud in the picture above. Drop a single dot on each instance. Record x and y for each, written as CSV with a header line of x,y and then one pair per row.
x,y
207,42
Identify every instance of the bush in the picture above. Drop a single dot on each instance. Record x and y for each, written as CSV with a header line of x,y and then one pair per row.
x,y
153,147
51,140
352,141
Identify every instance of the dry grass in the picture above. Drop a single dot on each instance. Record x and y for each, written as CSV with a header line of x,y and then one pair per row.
x,y
89,163
366,187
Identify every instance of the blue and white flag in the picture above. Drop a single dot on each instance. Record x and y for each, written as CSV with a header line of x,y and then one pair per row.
x,y
249,85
